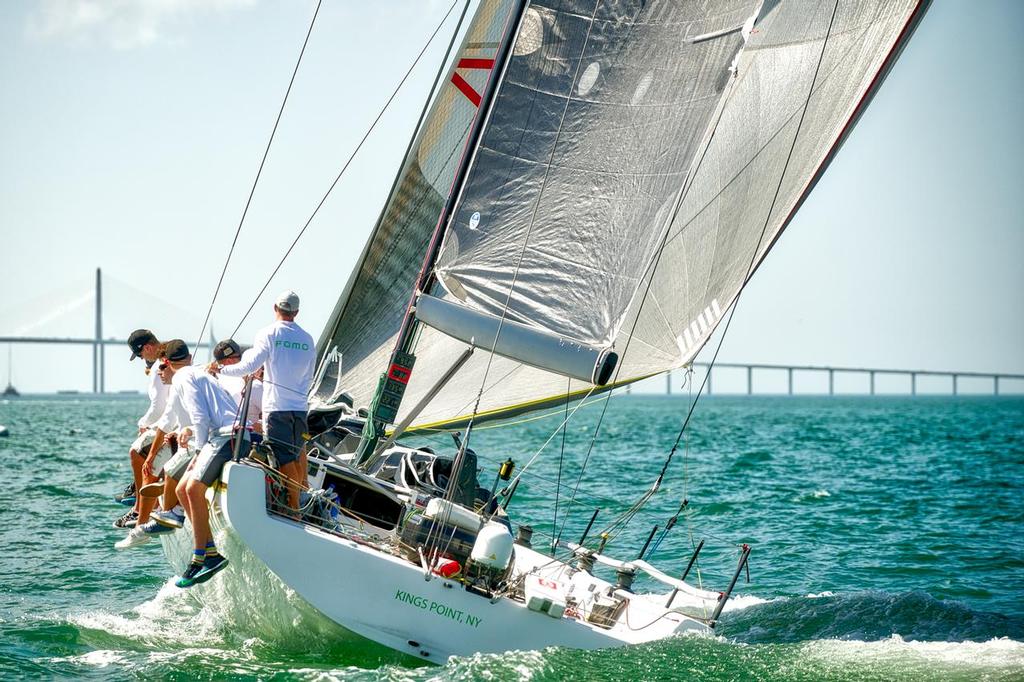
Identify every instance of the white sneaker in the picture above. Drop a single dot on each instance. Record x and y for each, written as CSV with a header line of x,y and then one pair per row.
x,y
136,537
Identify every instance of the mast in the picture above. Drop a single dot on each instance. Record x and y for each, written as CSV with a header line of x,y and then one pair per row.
x,y
391,386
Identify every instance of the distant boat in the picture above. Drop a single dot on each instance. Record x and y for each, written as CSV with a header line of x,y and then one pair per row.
x,y
10,391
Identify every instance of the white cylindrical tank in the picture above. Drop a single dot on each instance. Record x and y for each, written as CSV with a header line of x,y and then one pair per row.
x,y
493,547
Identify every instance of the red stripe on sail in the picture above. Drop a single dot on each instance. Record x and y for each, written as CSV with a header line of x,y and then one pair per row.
x,y
476,64
466,89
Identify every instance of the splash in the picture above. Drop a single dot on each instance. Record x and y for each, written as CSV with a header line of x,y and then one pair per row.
x,y
897,657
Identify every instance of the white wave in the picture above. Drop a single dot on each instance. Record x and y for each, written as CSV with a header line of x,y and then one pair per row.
x,y
173,615
819,595
101,658
909,656
821,493
738,602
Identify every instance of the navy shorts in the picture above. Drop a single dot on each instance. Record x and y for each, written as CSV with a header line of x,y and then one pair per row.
x,y
285,431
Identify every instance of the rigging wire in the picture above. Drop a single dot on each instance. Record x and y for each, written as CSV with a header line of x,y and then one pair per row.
x,y
757,248
649,276
533,220
259,172
627,516
561,455
344,168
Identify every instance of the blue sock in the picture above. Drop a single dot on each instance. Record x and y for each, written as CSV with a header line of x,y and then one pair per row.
x,y
198,556
211,550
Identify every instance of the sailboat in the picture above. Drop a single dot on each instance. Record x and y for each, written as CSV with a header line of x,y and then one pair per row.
x,y
591,189
10,391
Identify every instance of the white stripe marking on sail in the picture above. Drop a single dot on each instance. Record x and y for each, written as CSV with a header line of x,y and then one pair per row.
x,y
716,308
702,325
681,344
695,330
689,337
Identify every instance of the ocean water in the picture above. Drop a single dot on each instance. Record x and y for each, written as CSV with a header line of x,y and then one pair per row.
x,y
887,539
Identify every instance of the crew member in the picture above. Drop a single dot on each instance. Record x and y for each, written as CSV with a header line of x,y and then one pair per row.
x,y
212,413
144,344
228,353
287,353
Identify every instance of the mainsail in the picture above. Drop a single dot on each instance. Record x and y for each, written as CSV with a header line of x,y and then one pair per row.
x,y
640,160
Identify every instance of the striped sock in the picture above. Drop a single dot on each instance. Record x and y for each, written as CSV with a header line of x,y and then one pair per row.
x,y
211,550
198,556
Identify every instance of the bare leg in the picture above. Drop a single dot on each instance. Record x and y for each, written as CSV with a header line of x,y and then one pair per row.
x,y
182,495
137,460
170,499
146,504
195,493
292,481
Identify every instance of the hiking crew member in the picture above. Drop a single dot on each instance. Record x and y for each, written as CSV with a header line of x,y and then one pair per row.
x,y
163,459
230,353
287,353
144,344
212,413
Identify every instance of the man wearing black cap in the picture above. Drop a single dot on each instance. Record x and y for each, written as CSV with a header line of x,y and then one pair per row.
x,y
145,345
287,353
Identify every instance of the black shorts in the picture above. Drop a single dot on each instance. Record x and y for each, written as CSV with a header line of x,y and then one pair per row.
x,y
285,431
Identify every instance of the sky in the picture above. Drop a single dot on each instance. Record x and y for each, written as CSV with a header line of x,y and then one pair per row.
x,y
132,131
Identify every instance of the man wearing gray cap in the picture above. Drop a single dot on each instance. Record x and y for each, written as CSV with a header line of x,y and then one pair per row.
x,y
287,353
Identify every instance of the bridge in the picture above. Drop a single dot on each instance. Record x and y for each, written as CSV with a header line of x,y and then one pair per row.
x,y
954,377
71,306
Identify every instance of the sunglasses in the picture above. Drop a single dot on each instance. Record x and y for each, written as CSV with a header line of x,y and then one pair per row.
x,y
162,366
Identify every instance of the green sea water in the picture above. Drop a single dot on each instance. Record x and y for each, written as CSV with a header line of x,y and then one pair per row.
x,y
887,539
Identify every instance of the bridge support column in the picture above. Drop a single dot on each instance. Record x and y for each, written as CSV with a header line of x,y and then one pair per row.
x,y
831,382
98,354
913,383
789,372
995,385
872,376
668,383
750,380
955,386
709,380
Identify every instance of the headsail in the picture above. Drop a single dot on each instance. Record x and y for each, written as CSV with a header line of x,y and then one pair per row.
x,y
641,159
370,310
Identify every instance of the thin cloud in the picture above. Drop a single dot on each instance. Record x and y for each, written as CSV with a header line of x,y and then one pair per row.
x,y
120,24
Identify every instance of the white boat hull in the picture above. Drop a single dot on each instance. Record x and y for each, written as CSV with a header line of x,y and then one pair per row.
x,y
388,600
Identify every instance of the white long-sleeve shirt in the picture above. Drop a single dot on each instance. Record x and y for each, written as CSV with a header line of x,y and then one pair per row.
x,y
157,391
236,387
287,353
175,415
209,407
